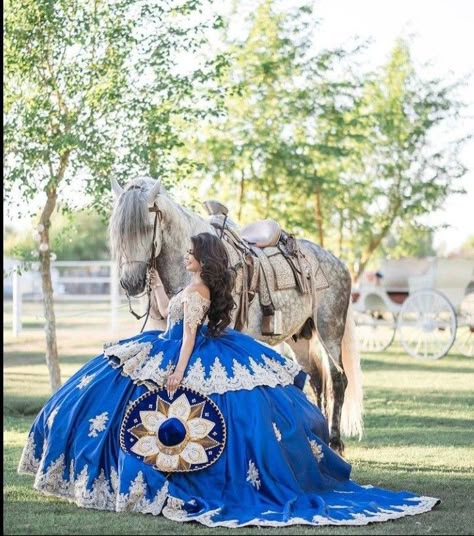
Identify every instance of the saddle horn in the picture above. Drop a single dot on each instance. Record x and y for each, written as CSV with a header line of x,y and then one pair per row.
x,y
215,207
116,188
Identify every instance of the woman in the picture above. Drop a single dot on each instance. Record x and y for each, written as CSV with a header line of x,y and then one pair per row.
x,y
199,423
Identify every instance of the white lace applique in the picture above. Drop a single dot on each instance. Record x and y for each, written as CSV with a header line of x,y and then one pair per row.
x,y
28,462
271,373
98,424
135,500
195,308
253,476
104,494
317,450
175,310
52,416
277,431
85,381
174,509
188,305
125,352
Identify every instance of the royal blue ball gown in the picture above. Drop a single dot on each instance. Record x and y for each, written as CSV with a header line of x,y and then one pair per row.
x,y
238,444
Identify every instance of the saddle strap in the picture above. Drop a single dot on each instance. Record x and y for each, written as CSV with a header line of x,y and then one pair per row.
x,y
230,240
269,282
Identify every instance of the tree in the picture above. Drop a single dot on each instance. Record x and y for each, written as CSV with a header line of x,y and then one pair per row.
x,y
403,171
287,129
79,80
74,236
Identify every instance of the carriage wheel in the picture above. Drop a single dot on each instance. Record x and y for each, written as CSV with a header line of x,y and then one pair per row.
x,y
375,331
427,324
464,343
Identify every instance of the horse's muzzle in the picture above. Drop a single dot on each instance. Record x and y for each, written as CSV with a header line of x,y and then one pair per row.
x,y
133,287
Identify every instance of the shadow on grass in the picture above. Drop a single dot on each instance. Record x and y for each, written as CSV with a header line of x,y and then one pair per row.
x,y
384,469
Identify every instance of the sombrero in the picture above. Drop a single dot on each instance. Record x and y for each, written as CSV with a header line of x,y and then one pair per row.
x,y
185,433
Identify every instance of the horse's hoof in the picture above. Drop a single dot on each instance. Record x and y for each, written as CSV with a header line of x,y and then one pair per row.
x,y
338,445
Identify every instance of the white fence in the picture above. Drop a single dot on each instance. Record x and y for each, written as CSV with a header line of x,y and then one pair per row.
x,y
77,280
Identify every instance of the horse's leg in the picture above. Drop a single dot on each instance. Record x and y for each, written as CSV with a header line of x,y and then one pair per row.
x,y
331,332
307,356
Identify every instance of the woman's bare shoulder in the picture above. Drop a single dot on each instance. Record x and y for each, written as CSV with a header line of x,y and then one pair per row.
x,y
201,289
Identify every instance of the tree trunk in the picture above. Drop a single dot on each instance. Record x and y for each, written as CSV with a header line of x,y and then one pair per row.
x,y
341,232
52,359
319,214
241,196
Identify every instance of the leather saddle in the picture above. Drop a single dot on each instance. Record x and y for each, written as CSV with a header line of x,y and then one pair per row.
x,y
262,233
264,251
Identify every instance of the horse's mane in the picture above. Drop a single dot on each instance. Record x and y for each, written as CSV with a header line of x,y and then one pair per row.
x,y
130,223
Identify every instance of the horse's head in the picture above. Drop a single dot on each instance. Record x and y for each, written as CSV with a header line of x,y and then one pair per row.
x,y
132,237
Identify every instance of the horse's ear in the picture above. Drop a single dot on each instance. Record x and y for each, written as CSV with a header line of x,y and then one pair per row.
x,y
154,191
116,188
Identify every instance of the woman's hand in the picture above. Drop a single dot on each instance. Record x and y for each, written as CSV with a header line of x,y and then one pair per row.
x,y
173,382
155,280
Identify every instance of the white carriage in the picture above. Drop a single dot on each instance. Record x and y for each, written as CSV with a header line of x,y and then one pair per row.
x,y
428,302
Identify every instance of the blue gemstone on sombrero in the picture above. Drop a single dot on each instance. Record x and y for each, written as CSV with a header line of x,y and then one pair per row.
x,y
171,432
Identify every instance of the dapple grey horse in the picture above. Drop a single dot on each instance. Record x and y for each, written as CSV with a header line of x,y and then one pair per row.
x,y
321,322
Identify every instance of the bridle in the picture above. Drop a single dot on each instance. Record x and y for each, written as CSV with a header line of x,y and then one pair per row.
x,y
150,264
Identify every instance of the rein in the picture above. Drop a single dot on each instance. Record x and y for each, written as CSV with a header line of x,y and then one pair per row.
x,y
150,264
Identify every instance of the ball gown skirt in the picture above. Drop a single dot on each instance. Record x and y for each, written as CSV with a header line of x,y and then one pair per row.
x,y
239,444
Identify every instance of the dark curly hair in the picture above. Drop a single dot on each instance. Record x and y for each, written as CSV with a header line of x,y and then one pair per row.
x,y
218,276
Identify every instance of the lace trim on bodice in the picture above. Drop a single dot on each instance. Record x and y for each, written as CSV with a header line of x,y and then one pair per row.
x,y
189,305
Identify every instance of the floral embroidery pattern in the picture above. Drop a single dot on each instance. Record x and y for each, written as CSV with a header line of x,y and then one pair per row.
x,y
137,364
277,431
253,476
28,461
98,424
195,308
270,373
102,493
190,306
85,381
190,450
52,416
317,450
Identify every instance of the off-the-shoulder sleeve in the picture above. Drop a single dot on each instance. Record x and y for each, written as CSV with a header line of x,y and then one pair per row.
x,y
195,308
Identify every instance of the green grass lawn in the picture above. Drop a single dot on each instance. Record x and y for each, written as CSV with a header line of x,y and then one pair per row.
x,y
419,435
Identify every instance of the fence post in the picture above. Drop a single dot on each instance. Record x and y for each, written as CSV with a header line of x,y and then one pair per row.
x,y
114,297
17,298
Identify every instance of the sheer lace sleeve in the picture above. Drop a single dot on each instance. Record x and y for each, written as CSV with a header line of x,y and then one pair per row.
x,y
195,308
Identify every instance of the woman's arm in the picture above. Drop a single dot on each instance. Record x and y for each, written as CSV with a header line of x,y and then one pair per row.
x,y
195,308
160,298
189,338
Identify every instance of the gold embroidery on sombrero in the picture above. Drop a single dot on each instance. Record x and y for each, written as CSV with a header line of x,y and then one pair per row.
x,y
189,451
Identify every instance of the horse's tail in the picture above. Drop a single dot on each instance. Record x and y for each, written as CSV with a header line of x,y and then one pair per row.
x,y
352,408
